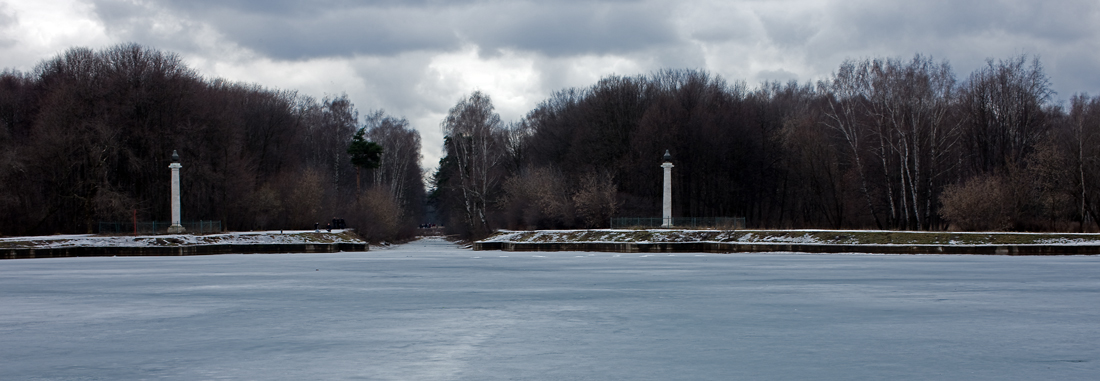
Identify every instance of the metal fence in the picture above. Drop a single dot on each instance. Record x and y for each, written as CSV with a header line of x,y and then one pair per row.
x,y
679,222
158,227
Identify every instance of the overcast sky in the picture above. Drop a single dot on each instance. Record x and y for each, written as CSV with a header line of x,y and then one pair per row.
x,y
418,58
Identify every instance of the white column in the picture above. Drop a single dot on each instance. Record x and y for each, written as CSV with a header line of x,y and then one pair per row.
x,y
666,214
176,228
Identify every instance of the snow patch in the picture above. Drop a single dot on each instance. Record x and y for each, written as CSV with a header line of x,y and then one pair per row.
x,y
1067,241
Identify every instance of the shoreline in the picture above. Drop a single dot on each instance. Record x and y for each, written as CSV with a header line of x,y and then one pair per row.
x,y
265,242
806,241
165,251
732,248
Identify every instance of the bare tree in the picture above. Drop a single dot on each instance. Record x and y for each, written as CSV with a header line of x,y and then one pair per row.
x,y
1084,123
595,198
473,138
910,107
399,168
900,114
981,203
538,198
1002,106
848,96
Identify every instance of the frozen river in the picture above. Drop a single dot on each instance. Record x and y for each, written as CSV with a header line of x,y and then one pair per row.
x,y
430,311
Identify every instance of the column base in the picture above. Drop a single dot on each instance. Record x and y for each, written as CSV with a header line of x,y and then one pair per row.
x,y
176,229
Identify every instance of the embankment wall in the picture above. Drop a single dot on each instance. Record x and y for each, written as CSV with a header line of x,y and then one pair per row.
x,y
159,251
719,247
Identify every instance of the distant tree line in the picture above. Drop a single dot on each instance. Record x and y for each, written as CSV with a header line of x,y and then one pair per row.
x,y
86,137
882,143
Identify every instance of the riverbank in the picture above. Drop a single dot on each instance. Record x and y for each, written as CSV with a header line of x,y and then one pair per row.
x,y
810,241
88,245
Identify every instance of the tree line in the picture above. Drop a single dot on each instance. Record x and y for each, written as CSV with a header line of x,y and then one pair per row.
x,y
86,137
882,143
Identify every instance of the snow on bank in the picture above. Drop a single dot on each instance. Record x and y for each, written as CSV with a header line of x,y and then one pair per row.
x,y
234,238
647,236
751,238
1068,241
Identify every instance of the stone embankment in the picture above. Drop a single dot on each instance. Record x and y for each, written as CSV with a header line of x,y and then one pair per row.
x,y
275,242
717,247
158,251
818,241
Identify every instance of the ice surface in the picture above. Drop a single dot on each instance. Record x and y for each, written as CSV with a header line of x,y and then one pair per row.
x,y
430,311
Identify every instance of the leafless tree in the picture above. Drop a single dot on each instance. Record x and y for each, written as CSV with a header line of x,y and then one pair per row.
x,y
848,97
910,107
1084,141
596,198
1002,105
400,165
474,142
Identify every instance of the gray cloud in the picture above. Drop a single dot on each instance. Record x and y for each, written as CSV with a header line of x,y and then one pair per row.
x,y
786,30
778,75
574,29
7,16
931,24
295,30
371,32
969,33
8,19
1075,72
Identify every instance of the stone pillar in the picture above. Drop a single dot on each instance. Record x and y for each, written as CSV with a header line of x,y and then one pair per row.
x,y
176,228
666,210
